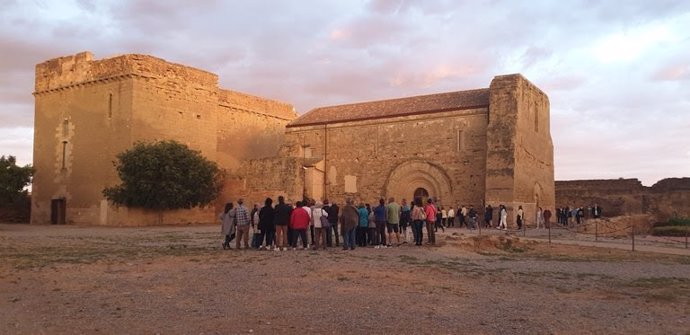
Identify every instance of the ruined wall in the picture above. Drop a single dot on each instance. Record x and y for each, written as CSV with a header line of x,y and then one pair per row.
x,y
519,148
666,199
670,198
441,152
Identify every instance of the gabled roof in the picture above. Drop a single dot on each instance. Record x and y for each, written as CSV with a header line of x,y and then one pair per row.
x,y
421,104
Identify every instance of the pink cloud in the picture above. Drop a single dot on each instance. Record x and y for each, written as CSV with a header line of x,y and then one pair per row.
x,y
678,72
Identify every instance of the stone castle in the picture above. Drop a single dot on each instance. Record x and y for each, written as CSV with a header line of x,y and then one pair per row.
x,y
485,146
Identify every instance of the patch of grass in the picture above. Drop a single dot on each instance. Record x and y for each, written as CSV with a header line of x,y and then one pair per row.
x,y
677,231
662,289
660,282
409,259
678,222
507,246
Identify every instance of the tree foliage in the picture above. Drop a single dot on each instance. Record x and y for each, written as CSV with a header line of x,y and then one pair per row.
x,y
13,180
164,175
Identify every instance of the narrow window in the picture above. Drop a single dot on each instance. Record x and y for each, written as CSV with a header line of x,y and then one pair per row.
x,y
536,120
460,142
110,105
64,154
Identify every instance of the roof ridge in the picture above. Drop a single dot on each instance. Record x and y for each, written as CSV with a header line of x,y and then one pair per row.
x,y
375,109
394,99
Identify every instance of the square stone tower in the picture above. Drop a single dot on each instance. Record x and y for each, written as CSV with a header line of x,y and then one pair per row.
x,y
88,111
519,156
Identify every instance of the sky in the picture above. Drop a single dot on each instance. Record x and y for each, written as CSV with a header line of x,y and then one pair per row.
x,y
617,73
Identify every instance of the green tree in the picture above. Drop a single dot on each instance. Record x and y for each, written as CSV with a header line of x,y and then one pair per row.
x,y
165,175
13,180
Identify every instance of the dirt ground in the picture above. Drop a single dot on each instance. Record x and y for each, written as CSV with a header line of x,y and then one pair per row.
x,y
177,280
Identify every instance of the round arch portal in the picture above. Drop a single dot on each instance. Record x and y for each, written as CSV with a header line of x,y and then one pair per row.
x,y
407,178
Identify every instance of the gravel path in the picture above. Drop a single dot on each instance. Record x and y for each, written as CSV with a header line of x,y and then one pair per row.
x,y
176,280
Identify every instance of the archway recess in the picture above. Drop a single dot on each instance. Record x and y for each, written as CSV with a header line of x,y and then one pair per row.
x,y
410,176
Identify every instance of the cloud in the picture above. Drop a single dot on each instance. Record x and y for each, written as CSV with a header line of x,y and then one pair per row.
x,y
675,72
615,72
17,141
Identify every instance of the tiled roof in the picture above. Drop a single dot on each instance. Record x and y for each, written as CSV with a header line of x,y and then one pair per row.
x,y
422,104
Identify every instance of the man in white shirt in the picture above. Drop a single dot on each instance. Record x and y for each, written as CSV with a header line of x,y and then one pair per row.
x,y
451,217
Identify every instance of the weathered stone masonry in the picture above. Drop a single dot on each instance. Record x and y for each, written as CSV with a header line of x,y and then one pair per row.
x,y
666,199
470,147
490,145
87,111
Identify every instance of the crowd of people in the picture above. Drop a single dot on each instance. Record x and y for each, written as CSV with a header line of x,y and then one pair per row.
x,y
310,224
567,216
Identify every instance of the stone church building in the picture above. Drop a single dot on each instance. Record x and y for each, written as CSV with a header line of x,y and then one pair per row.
x,y
484,146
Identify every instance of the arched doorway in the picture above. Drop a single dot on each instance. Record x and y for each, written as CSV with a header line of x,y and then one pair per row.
x,y
418,177
421,193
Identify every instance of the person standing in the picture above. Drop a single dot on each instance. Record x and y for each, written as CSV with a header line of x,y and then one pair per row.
x,y
258,236
307,206
488,215
451,217
430,211
349,221
473,218
405,219
439,219
243,222
381,221
333,212
317,219
503,218
540,217
520,217
580,215
227,227
373,238
547,218
463,216
418,218
393,218
444,217
299,222
282,219
267,222
596,211
252,215
363,225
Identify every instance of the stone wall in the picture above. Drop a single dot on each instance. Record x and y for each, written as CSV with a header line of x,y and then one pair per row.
x,y
666,199
257,179
88,111
78,130
443,153
462,148
519,164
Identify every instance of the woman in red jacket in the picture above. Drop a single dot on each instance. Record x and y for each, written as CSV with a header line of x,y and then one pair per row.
x,y
299,222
